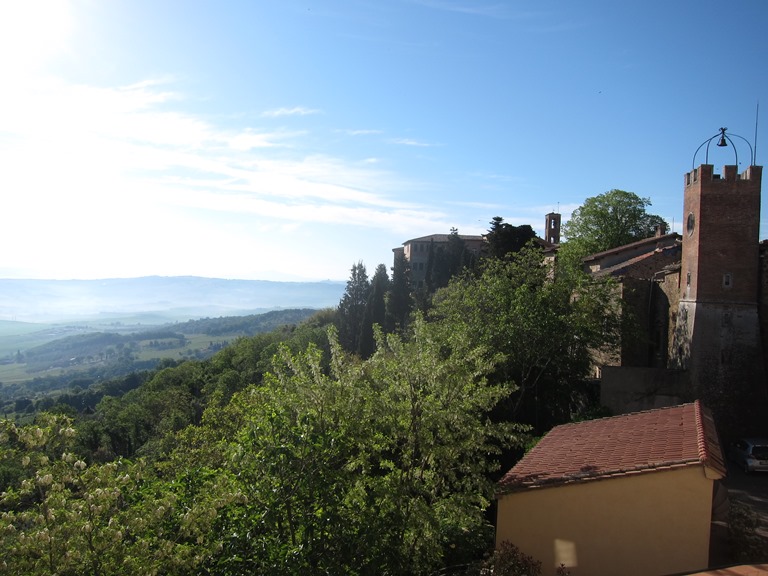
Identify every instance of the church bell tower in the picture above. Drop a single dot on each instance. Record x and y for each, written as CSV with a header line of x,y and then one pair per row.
x,y
552,228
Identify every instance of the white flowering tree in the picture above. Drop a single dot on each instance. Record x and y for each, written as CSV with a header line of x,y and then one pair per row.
x,y
63,516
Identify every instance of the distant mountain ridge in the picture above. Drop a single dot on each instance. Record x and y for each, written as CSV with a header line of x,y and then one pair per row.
x,y
167,297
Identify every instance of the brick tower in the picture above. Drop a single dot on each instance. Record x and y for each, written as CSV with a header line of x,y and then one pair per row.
x,y
552,228
717,334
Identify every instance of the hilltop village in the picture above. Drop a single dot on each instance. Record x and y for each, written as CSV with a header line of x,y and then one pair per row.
x,y
502,403
685,377
697,301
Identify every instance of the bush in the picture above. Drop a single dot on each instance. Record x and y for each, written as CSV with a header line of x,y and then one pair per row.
x,y
509,560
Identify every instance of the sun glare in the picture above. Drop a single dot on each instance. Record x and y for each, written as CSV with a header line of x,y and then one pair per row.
x,y
31,32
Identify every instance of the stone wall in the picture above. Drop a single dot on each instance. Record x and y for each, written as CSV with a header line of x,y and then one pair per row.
x,y
625,389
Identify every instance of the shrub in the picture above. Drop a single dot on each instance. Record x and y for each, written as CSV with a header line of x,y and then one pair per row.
x,y
509,560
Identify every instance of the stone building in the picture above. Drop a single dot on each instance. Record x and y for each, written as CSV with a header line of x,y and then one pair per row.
x,y
696,299
418,252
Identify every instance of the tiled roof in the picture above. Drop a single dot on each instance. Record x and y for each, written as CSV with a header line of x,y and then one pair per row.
x,y
672,236
742,570
645,266
634,443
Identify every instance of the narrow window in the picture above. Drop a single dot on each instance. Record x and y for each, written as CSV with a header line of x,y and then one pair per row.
x,y
727,280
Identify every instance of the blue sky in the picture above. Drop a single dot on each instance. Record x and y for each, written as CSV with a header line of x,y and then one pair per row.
x,y
291,139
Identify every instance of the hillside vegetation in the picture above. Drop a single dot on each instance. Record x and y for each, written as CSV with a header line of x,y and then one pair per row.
x,y
65,369
363,440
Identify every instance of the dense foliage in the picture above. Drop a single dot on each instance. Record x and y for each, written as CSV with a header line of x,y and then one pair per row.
x,y
542,325
364,440
244,325
503,238
363,467
608,220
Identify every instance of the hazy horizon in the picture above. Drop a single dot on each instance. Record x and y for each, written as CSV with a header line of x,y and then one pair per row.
x,y
165,298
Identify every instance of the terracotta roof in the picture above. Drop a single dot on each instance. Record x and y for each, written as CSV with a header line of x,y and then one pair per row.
x,y
640,442
652,240
647,265
742,570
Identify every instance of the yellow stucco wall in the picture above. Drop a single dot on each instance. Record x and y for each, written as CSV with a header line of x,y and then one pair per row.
x,y
647,524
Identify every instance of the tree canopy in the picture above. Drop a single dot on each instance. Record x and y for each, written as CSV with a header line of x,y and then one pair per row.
x,y
504,238
324,465
541,325
364,441
608,220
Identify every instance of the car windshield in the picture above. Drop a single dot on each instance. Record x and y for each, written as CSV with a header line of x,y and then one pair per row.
x,y
760,452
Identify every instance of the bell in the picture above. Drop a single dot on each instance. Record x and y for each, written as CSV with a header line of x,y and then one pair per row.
x,y
722,141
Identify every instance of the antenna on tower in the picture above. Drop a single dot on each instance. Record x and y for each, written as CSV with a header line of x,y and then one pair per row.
x,y
757,113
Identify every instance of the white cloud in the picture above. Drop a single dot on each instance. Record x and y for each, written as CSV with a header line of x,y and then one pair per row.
x,y
103,181
476,8
31,32
295,111
121,181
360,132
410,142
249,139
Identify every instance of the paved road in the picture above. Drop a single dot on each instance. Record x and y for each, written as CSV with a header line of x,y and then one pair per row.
x,y
751,489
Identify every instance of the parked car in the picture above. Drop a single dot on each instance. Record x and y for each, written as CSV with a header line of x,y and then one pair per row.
x,y
751,454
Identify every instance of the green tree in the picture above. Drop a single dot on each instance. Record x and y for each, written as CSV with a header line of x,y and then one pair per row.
x,y
427,469
399,302
606,221
377,466
375,310
447,261
504,238
542,326
64,516
351,310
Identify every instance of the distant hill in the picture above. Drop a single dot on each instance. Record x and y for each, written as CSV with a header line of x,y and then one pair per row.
x,y
156,300
241,325
76,355
100,348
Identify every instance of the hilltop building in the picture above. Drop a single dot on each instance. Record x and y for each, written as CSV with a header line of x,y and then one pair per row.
x,y
418,252
696,299
695,311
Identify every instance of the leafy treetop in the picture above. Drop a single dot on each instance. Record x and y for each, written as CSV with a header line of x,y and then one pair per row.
x,y
608,220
